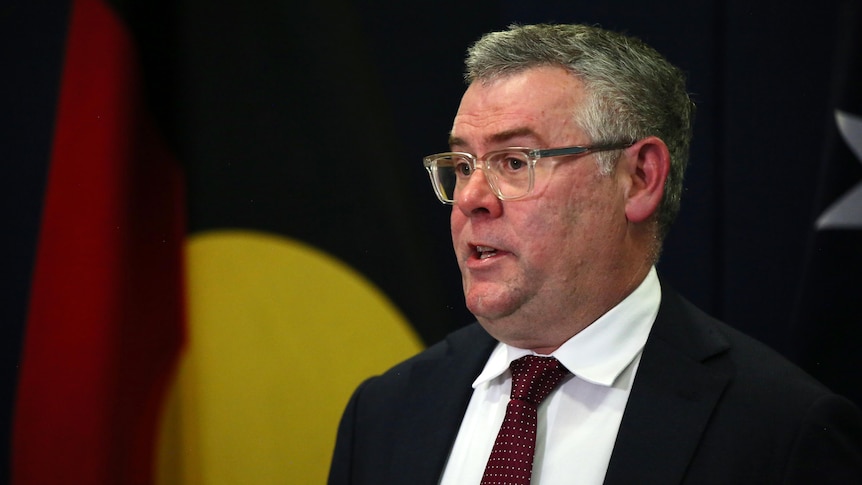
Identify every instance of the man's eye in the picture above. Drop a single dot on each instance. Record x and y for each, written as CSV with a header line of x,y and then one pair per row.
x,y
514,164
463,169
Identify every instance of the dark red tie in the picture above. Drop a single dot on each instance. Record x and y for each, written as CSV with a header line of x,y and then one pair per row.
x,y
511,461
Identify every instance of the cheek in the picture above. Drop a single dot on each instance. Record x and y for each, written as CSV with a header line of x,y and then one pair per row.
x,y
457,225
549,237
576,225
456,221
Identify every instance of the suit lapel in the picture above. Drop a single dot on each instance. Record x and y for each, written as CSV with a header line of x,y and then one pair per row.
x,y
437,397
673,397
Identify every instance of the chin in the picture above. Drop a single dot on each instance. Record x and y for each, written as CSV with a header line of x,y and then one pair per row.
x,y
489,313
492,301
499,327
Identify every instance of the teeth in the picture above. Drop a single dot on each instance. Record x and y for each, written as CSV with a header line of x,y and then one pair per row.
x,y
485,251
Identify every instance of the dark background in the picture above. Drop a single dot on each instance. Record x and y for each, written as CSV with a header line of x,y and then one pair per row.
x,y
310,119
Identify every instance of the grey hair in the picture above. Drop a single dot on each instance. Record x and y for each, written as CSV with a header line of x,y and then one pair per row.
x,y
632,91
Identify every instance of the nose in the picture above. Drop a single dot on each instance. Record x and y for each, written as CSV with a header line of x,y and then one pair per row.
x,y
477,197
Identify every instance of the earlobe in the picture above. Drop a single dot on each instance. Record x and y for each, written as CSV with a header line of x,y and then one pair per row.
x,y
648,172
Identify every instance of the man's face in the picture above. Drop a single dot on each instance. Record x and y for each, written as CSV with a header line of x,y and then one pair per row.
x,y
554,259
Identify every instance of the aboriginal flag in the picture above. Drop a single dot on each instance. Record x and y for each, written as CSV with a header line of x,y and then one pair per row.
x,y
215,239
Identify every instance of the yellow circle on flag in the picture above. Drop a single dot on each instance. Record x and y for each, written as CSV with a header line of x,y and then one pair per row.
x,y
279,335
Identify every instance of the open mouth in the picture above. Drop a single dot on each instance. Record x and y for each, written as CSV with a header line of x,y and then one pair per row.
x,y
485,252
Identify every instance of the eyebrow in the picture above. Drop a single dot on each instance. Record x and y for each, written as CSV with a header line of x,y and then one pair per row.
x,y
498,137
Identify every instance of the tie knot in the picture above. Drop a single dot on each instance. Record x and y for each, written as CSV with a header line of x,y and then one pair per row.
x,y
534,377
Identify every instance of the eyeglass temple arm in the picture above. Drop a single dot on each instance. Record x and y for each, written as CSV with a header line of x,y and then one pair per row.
x,y
557,152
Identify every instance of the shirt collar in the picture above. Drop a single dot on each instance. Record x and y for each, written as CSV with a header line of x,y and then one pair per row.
x,y
603,350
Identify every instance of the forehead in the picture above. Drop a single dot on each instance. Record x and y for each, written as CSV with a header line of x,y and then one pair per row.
x,y
536,106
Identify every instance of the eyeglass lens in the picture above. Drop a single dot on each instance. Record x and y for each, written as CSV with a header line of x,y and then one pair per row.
x,y
508,173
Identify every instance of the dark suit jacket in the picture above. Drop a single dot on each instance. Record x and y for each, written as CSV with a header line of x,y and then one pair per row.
x,y
708,406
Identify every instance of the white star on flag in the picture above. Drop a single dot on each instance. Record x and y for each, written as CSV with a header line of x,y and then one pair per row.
x,y
846,212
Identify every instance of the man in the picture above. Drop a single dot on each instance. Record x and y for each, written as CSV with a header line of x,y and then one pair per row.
x,y
557,243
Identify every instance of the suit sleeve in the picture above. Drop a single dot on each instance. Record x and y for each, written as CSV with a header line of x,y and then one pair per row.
x,y
828,448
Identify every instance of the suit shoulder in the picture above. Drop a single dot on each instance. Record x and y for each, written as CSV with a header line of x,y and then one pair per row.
x,y
755,368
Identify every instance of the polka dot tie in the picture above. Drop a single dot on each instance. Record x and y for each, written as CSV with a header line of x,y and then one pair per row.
x,y
511,461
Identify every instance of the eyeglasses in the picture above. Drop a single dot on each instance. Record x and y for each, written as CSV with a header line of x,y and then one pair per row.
x,y
510,172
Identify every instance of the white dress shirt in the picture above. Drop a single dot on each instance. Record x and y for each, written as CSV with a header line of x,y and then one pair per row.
x,y
578,422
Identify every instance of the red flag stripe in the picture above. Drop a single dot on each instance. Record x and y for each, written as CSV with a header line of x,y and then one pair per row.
x,y
105,322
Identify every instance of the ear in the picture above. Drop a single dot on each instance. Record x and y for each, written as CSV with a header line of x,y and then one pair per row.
x,y
647,168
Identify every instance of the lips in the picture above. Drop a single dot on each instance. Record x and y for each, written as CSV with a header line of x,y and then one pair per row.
x,y
484,257
485,252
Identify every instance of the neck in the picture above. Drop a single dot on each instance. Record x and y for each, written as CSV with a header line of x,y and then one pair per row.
x,y
548,331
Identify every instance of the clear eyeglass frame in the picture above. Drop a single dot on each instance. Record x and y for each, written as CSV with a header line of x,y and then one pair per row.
x,y
447,169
